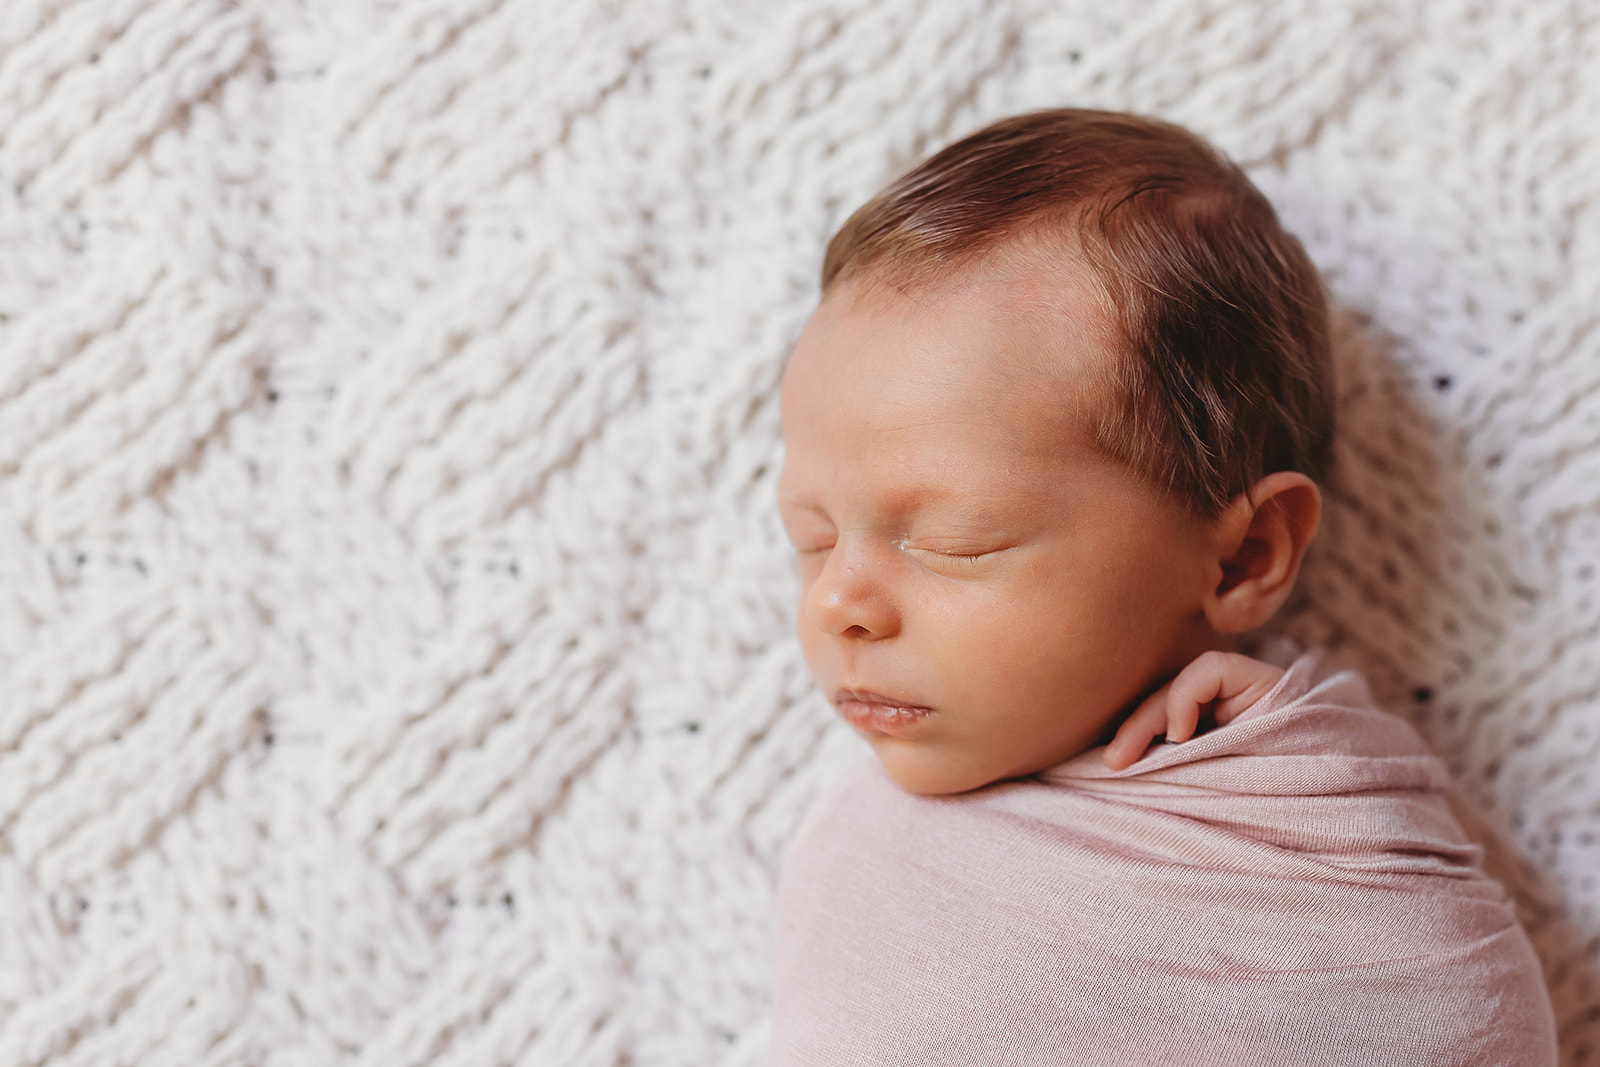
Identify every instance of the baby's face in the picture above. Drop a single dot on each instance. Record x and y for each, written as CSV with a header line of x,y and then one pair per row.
x,y
982,591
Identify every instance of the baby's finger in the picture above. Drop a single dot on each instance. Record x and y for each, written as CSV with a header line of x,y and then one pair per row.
x,y
1183,717
1148,721
1197,685
1227,681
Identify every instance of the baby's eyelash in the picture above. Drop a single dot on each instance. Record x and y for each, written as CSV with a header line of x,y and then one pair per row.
x,y
946,553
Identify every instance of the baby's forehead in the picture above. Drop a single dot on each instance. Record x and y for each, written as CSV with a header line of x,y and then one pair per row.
x,y
1019,353
1043,312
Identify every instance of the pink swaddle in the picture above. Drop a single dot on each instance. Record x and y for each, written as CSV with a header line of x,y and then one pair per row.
x,y
1290,888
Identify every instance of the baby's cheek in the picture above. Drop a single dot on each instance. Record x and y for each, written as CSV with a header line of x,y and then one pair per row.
x,y
808,565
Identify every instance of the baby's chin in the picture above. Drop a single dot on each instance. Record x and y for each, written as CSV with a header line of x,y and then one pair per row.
x,y
928,770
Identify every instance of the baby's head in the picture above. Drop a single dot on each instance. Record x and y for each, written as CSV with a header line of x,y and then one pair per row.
x,y
1052,432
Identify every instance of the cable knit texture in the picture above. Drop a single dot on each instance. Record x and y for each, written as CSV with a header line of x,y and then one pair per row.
x,y
395,662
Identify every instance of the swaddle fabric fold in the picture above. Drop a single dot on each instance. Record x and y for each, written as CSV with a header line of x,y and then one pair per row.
x,y
1290,888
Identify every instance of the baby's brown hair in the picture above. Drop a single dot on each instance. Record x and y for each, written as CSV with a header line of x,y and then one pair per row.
x,y
1227,376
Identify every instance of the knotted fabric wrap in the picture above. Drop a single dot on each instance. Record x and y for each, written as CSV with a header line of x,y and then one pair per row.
x,y
1288,889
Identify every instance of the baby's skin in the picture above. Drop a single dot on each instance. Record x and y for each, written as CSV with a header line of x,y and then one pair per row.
x,y
984,592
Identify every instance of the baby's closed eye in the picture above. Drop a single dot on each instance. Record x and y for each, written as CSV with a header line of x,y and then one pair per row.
x,y
808,530
811,546
951,555
956,551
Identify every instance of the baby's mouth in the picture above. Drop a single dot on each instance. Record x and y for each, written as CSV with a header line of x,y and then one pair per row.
x,y
878,714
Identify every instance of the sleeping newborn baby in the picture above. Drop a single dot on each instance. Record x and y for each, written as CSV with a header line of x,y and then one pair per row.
x,y
1053,440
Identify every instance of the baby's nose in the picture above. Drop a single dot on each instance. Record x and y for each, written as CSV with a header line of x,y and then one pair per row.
x,y
852,597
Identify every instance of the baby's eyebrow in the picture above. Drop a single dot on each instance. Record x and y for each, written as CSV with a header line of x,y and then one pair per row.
x,y
794,505
982,494
787,494
959,523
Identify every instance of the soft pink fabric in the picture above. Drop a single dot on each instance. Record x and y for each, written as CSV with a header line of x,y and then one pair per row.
x,y
1288,889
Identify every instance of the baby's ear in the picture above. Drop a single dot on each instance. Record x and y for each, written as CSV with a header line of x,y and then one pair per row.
x,y
1261,539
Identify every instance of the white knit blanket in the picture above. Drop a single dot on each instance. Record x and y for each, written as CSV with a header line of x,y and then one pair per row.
x,y
395,662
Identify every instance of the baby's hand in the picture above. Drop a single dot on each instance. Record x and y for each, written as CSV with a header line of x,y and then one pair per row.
x,y
1225,680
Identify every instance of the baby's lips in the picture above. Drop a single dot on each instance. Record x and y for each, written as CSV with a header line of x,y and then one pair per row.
x,y
879,714
869,696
